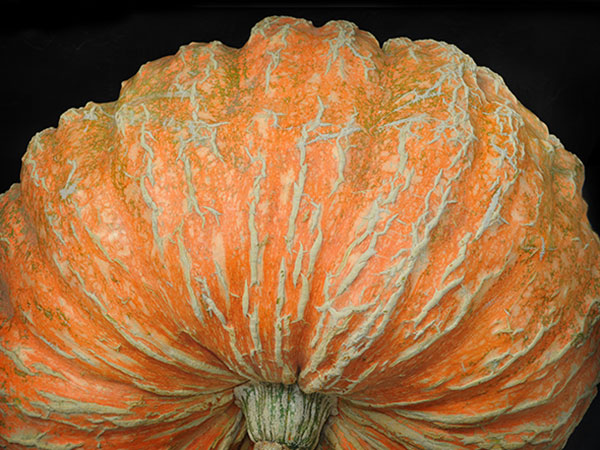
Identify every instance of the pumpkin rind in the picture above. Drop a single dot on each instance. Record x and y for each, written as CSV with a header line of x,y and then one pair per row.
x,y
386,225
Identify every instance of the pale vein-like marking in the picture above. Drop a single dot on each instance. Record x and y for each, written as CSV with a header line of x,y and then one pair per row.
x,y
70,185
222,282
193,100
214,212
323,308
349,128
460,420
537,210
412,54
315,223
353,436
211,307
333,438
193,362
215,406
364,335
210,304
245,299
492,213
197,124
440,129
255,260
434,90
276,55
36,146
43,368
543,432
175,415
345,38
298,265
54,347
280,302
116,366
154,209
372,220
299,184
362,339
399,431
191,92
144,144
463,243
18,406
543,248
400,169
192,201
419,243
72,226
275,58
38,441
230,432
67,406
363,376
342,319
503,155
440,293
19,364
351,309
554,357
186,266
98,243
373,217
212,129
255,332
406,265
83,356
517,123
273,115
557,388
434,301
418,118
165,392
464,308
418,246
50,218
304,297
134,340
448,420
364,258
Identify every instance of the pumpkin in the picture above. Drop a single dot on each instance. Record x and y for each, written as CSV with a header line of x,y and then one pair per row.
x,y
313,241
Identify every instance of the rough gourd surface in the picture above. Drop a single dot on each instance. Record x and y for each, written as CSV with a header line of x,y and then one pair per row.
x,y
386,225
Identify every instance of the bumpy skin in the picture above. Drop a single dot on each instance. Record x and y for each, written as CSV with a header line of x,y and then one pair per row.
x,y
385,224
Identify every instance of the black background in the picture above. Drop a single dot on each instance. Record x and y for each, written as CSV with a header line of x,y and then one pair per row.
x,y
548,54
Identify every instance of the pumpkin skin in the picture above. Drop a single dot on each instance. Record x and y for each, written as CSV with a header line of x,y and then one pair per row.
x,y
387,225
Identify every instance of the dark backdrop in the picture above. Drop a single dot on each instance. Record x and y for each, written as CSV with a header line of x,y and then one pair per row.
x,y
52,60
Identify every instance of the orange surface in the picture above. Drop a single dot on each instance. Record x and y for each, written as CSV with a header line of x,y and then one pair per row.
x,y
388,225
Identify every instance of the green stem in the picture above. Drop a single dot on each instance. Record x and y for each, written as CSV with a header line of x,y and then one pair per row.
x,y
282,417
264,445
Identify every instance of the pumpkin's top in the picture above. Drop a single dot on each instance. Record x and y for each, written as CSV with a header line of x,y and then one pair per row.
x,y
312,208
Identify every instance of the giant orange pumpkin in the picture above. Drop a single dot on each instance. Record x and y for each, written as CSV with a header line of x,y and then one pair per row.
x,y
309,242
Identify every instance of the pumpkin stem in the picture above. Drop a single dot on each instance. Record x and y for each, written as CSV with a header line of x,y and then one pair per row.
x,y
282,417
263,445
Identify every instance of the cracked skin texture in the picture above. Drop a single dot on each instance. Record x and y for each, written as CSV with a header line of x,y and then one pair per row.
x,y
388,225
